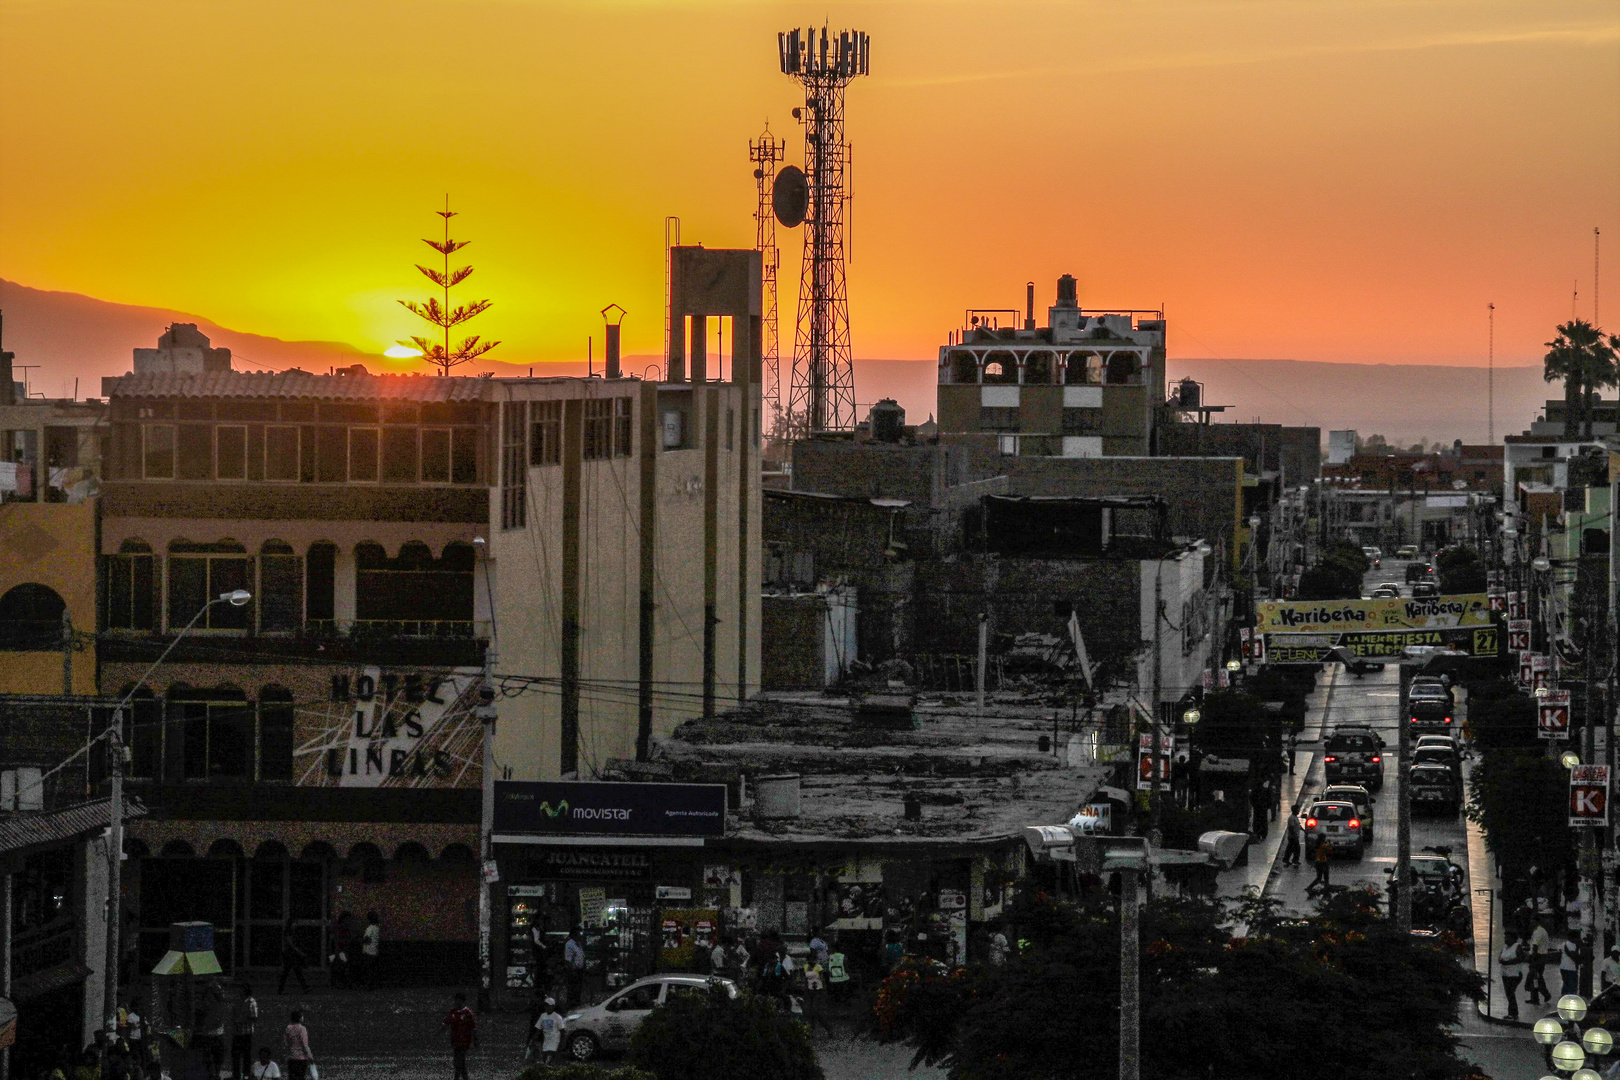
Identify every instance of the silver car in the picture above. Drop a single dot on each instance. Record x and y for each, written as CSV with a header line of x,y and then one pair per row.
x,y
607,1027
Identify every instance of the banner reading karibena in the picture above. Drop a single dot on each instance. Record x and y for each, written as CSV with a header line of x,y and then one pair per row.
x,y
1382,613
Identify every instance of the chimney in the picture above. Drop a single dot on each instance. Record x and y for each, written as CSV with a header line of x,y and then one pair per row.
x,y
612,316
1029,305
1067,295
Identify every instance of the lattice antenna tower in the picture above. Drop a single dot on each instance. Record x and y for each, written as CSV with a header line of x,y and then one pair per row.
x,y
822,395
766,153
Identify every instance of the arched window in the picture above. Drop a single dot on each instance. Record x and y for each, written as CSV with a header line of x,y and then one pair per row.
x,y
130,575
281,588
215,733
415,594
199,573
1000,367
1122,368
31,618
320,588
1038,368
964,367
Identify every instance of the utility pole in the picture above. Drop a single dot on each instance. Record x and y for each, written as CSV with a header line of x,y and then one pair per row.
x,y
1490,377
1590,868
115,878
67,653
486,820
1403,821
980,669
1158,679
1130,975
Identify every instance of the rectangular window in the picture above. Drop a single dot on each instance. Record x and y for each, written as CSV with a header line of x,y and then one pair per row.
x,y
1081,421
188,589
194,580
217,737
464,455
998,418
281,593
275,740
129,592
598,428
143,734
231,453
399,455
159,451
281,453
622,440
196,452
545,433
514,465
435,455
320,584
731,424
363,454
332,455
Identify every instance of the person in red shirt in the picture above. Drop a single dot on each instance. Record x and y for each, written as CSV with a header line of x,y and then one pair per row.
x,y
463,1027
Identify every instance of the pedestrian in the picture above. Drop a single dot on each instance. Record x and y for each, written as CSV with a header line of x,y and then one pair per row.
x,y
244,1022
1609,970
370,949
296,1041
837,974
1535,985
463,1026
717,959
740,957
133,1030
266,1068
998,947
292,963
1515,955
1569,964
574,968
343,949
1321,859
1295,831
212,1015
818,949
815,994
550,1026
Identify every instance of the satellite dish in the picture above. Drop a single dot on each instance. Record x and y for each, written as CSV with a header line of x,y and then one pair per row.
x,y
790,196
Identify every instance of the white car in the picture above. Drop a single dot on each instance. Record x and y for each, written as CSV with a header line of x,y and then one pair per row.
x,y
607,1027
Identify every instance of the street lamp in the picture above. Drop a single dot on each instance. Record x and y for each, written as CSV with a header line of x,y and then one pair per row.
x,y
1568,1056
1569,759
1572,1007
1598,1042
1541,564
115,817
1547,1031
1191,717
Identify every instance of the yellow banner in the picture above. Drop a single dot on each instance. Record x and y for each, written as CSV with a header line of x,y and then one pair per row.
x,y
1384,613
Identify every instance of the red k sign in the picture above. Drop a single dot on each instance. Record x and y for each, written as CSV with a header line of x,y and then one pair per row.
x,y
1553,715
1589,795
1518,635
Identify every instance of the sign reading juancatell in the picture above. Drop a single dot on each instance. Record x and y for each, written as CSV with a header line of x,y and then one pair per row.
x,y
609,809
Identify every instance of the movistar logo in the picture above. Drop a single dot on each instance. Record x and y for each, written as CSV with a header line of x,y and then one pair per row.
x,y
562,808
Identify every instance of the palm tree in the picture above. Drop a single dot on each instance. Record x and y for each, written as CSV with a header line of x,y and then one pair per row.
x,y
1587,363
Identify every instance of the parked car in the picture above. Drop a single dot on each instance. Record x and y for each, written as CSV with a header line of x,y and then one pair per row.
x,y
1339,823
1353,756
1426,715
1437,755
607,1027
1435,788
1362,800
1450,742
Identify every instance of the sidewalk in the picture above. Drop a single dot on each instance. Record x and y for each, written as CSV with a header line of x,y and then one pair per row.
x,y
1488,939
1306,774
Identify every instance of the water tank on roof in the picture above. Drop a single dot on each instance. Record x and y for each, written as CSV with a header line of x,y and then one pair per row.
x,y
777,797
887,420
1189,395
1067,293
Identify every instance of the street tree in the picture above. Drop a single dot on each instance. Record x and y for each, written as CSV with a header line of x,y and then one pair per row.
x,y
710,1036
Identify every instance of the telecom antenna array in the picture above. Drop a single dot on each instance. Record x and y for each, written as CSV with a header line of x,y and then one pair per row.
x,y
822,396
766,153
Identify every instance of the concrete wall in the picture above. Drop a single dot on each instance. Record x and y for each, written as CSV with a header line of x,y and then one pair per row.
x,y
51,544
793,635
1294,451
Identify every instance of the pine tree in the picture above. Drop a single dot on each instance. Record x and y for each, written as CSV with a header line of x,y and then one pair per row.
x,y
440,313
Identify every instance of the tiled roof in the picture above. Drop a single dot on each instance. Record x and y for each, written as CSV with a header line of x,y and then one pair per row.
x,y
296,384
31,829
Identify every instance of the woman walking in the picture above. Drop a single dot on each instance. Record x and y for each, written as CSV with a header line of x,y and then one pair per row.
x,y
299,1059
292,961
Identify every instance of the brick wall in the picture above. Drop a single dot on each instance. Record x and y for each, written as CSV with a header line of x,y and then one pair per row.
x,y
792,632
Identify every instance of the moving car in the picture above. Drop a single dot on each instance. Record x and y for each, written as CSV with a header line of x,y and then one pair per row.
x,y
1451,742
1418,571
606,1028
1428,688
1427,715
1437,755
1386,589
1435,788
1353,756
1362,800
1339,823
1425,590
1407,551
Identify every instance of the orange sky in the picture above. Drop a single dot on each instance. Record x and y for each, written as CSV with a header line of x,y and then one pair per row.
x,y
1317,179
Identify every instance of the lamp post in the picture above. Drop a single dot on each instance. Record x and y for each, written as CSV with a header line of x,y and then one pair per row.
x,y
1570,1049
115,815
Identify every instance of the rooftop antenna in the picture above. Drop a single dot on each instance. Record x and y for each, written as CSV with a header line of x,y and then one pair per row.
x,y
1490,378
822,396
1595,253
766,153
1574,296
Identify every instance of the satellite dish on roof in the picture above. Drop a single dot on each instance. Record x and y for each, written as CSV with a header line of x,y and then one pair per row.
x,y
790,196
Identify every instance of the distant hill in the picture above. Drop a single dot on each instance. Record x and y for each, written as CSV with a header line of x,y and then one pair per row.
x,y
72,336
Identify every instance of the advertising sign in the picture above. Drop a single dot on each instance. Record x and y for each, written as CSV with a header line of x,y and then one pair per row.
x,y
1093,818
600,808
1518,635
1540,671
1525,675
388,728
1589,795
1382,613
1497,598
1553,715
1515,604
1379,645
1144,754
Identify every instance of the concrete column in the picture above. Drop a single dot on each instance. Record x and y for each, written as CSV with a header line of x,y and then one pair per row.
x,y
93,916
343,588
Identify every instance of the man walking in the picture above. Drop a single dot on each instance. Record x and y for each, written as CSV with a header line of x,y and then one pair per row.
x,y
370,949
1324,853
1540,950
1513,958
463,1026
574,968
244,1021
1295,831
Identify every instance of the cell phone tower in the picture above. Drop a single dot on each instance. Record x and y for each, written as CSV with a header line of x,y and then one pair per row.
x,y
766,153
822,396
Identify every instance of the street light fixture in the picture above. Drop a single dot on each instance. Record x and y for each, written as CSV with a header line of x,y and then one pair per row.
x,y
1568,1056
1572,1007
1597,1042
1234,665
1191,717
1547,1031
1541,564
1569,759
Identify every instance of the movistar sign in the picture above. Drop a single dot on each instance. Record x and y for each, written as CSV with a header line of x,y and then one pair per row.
x,y
600,808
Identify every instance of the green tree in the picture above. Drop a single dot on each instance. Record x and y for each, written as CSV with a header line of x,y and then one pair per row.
x,y
1216,1005
1521,799
1461,570
1586,362
716,1037
441,314
1336,575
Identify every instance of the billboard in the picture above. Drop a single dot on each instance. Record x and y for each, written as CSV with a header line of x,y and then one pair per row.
x,y
1379,614
609,809
1144,754
388,727
1589,795
1552,715
1379,645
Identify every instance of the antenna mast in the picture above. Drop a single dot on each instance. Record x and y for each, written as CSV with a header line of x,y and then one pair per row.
x,y
822,396
1490,378
1595,253
766,153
